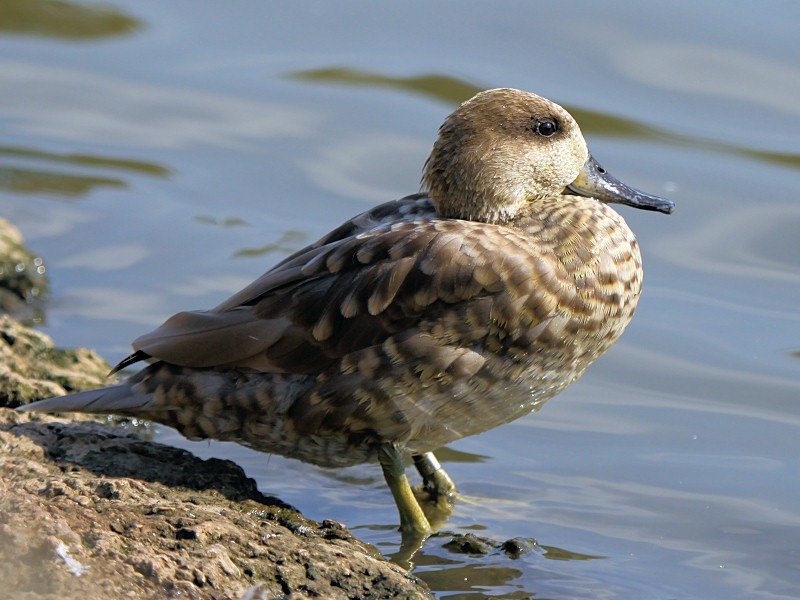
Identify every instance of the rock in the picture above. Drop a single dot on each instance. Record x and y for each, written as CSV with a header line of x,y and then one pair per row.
x,y
89,510
469,543
517,547
31,367
23,279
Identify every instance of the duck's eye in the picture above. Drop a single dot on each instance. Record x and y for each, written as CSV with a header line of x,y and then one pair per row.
x,y
546,127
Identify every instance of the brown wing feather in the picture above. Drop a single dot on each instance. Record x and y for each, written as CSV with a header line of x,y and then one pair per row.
x,y
224,335
357,291
208,338
288,270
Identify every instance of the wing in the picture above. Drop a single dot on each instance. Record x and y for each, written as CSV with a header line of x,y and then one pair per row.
x,y
230,332
410,207
363,284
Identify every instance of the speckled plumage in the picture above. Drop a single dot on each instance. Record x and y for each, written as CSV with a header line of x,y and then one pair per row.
x,y
419,322
416,330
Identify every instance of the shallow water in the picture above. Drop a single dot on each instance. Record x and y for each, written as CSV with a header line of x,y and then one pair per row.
x,y
161,155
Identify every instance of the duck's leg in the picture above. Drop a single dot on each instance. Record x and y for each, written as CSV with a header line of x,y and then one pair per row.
x,y
434,478
412,519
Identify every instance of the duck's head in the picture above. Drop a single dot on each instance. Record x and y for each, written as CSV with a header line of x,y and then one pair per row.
x,y
504,149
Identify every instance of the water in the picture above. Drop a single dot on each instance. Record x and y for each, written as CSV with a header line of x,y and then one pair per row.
x,y
161,155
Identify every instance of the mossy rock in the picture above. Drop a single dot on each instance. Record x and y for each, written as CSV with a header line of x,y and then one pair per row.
x,y
32,368
23,276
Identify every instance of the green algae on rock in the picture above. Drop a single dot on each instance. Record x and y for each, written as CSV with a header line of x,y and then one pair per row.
x,y
23,278
31,367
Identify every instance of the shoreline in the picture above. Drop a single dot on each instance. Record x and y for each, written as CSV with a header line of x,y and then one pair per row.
x,y
89,508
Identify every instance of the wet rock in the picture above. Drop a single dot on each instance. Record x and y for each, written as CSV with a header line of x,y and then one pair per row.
x,y
469,543
31,367
23,279
516,547
87,510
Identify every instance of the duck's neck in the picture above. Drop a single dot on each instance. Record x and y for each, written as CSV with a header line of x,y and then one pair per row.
x,y
474,205
580,232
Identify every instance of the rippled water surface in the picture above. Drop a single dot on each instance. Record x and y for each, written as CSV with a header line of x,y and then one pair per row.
x,y
160,155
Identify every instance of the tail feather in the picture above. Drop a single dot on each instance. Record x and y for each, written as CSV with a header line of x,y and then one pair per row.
x,y
117,399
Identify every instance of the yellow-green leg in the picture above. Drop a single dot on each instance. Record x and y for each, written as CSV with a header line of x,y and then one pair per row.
x,y
412,519
435,479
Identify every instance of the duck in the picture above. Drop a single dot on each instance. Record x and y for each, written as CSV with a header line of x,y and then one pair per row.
x,y
424,320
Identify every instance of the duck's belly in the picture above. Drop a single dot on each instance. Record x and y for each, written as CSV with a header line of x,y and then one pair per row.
x,y
255,410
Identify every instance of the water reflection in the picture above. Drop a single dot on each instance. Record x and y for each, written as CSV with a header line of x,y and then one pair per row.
x,y
450,455
63,19
500,574
469,577
451,90
39,181
554,553
444,88
88,160
474,545
290,241
83,106
226,222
